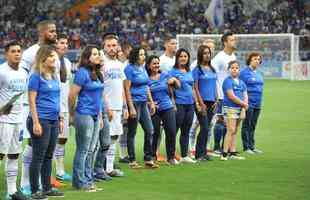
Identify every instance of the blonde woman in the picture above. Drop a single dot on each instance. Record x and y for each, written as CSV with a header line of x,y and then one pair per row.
x,y
44,121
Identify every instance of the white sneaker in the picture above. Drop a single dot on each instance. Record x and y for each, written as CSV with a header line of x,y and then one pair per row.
x,y
173,162
249,151
257,151
235,157
213,154
187,160
223,158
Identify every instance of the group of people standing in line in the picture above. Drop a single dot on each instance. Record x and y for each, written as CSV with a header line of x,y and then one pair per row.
x,y
113,90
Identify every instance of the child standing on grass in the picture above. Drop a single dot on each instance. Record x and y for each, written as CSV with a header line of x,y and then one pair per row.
x,y
235,100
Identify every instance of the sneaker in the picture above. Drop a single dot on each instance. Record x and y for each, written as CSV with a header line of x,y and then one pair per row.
x,y
39,196
65,177
257,151
160,158
223,158
173,162
102,176
217,152
55,183
213,154
26,190
116,173
150,165
124,160
236,157
187,160
249,151
95,187
17,196
53,193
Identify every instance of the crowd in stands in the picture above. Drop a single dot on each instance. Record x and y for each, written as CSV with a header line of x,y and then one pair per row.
x,y
146,21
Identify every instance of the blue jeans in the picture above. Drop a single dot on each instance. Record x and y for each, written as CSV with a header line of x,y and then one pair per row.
x,y
184,120
103,145
144,117
219,135
248,128
167,117
42,153
86,137
204,122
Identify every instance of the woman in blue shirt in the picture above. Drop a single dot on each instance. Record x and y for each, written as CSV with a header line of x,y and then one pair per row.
x,y
87,88
235,99
205,86
44,122
159,85
138,97
184,99
255,83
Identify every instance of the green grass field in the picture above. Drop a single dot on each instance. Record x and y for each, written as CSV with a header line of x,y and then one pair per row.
x,y
282,172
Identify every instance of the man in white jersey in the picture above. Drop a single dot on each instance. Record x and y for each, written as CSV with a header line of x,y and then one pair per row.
x,y
167,60
47,35
115,101
220,64
64,65
13,81
122,55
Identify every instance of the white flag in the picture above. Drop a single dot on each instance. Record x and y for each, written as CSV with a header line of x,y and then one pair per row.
x,y
215,13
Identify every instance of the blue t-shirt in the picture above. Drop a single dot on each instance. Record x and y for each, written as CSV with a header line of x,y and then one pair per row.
x,y
254,82
206,83
139,82
48,96
160,92
184,94
237,88
90,96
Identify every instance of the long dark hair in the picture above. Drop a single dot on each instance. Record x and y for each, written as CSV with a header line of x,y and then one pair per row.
x,y
177,55
134,55
85,62
148,62
200,52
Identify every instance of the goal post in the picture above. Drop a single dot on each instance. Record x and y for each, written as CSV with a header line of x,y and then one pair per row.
x,y
280,52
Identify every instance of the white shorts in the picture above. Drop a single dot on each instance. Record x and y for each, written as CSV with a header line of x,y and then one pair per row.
x,y
25,116
116,126
66,132
11,138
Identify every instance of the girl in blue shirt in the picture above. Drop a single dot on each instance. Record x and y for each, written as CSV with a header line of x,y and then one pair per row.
x,y
235,99
205,86
254,82
185,99
44,122
87,88
159,85
138,97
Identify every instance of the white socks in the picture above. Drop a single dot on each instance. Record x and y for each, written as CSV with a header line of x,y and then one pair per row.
x,y
110,157
59,158
27,158
11,169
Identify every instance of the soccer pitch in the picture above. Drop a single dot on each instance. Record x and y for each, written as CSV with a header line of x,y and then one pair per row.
x,y
282,172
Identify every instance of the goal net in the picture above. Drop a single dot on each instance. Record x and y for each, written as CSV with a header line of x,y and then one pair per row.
x,y
280,52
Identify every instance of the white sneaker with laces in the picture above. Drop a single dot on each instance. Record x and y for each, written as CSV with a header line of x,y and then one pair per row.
x,y
249,151
257,151
187,160
235,157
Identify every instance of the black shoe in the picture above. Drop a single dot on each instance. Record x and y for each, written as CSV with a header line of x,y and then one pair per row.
x,y
208,158
18,196
124,160
54,193
39,196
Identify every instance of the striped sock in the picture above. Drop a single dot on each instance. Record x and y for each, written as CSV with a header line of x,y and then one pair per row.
x,y
59,155
11,175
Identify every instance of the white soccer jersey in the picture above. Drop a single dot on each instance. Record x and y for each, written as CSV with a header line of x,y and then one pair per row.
x,y
220,64
12,82
65,87
166,63
113,83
